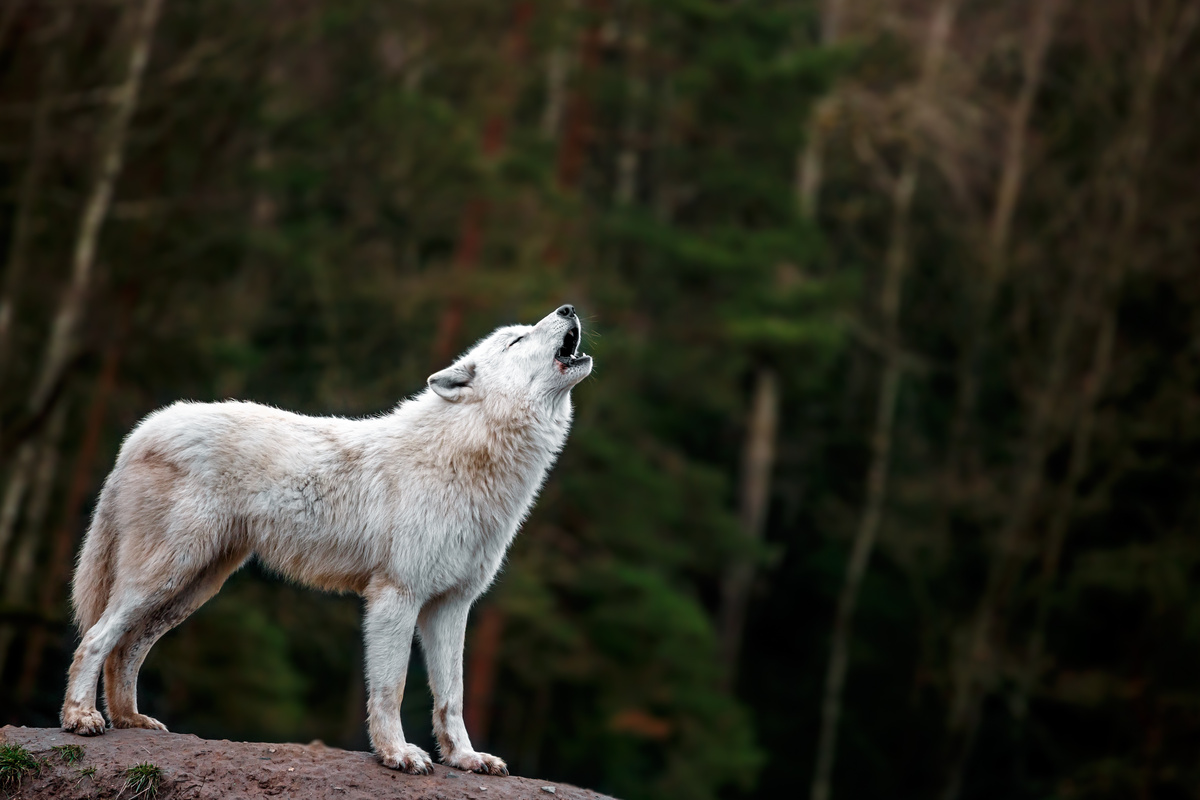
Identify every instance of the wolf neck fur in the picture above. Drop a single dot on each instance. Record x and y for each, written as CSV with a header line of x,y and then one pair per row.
x,y
498,446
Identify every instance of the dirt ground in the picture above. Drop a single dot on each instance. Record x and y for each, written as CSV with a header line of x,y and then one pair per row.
x,y
199,768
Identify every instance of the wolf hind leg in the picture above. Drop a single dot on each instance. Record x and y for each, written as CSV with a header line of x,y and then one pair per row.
x,y
123,664
79,713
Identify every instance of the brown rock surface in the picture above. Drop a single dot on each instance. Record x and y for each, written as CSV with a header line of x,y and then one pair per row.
x,y
201,768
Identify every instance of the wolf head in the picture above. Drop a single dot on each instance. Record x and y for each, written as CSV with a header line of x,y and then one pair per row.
x,y
520,362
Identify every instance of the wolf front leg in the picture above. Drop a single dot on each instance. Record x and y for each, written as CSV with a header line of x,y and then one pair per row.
x,y
390,620
443,626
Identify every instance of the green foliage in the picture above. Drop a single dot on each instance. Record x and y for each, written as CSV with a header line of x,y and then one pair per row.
x,y
143,780
16,763
69,753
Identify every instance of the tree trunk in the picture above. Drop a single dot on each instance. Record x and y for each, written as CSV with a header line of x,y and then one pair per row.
x,y
1126,193
629,156
57,573
577,127
995,256
471,225
556,91
62,339
14,495
895,265
1123,190
571,157
876,495
809,166
1061,520
31,185
977,661
483,658
18,577
112,156
758,461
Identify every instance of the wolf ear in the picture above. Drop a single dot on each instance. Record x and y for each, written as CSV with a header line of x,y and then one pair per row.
x,y
454,382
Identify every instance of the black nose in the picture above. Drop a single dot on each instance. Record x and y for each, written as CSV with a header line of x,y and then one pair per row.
x,y
567,311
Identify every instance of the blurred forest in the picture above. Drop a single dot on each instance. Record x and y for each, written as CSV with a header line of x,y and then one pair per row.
x,y
885,482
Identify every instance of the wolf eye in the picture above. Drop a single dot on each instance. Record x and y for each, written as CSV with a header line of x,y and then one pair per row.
x,y
514,341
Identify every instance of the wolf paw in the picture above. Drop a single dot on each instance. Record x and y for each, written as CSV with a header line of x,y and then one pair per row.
x,y
138,721
84,721
483,763
407,758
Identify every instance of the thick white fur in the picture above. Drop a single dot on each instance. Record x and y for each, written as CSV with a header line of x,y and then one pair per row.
x,y
414,510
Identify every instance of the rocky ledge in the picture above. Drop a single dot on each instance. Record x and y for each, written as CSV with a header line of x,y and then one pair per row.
x,y
134,764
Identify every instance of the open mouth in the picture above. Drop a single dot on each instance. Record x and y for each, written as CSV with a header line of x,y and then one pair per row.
x,y
569,353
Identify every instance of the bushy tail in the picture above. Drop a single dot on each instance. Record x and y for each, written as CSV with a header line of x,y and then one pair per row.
x,y
93,573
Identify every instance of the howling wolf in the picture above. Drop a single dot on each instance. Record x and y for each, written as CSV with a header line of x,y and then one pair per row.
x,y
413,510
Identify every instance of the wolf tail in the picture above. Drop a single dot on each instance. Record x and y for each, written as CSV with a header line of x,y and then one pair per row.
x,y
93,574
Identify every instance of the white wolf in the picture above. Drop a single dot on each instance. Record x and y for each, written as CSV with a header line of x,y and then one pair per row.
x,y
414,510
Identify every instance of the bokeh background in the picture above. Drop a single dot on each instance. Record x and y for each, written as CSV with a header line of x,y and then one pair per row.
x,y
885,484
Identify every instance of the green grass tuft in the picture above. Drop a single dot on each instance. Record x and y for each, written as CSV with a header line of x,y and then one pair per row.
x,y
15,763
85,772
69,753
143,780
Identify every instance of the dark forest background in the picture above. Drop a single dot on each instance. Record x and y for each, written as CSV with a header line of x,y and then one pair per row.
x,y
885,482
